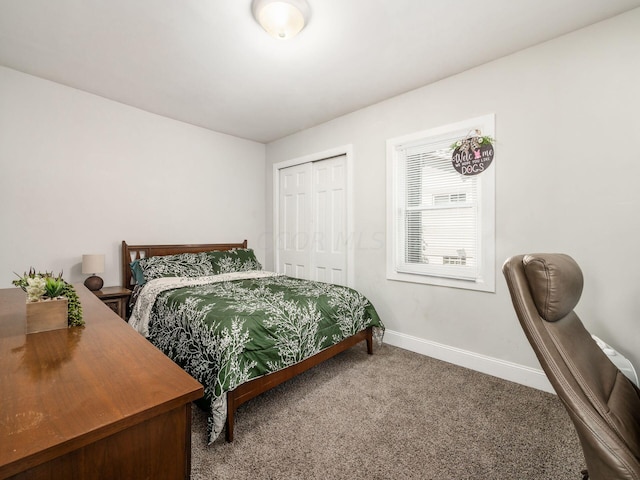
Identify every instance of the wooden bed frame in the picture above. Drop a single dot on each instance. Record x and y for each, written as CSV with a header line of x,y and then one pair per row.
x,y
245,392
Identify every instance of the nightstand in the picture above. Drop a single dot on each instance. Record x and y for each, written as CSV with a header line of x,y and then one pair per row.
x,y
116,298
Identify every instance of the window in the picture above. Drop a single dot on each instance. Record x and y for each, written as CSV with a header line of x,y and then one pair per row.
x,y
440,222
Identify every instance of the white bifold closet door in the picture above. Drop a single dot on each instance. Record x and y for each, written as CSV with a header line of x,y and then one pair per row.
x,y
312,221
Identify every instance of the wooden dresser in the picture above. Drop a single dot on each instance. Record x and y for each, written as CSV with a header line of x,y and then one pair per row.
x,y
96,402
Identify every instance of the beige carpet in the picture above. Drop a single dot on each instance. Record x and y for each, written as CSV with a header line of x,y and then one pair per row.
x,y
393,415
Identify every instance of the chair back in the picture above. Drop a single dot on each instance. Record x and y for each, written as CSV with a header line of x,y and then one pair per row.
x,y
603,404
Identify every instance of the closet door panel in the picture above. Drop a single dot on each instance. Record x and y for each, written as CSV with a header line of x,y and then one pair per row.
x,y
294,219
312,222
329,252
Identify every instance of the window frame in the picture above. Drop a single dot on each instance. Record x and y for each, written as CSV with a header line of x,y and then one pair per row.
x,y
484,279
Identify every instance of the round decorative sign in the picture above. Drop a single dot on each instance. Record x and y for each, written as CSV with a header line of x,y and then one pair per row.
x,y
472,155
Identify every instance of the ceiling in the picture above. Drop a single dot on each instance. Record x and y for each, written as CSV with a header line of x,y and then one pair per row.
x,y
208,63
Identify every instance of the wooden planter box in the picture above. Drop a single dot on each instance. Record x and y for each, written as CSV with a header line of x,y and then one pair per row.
x,y
47,315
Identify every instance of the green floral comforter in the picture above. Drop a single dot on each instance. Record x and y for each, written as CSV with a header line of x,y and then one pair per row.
x,y
229,328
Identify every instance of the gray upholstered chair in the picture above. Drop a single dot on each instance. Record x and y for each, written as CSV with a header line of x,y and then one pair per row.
x,y
603,404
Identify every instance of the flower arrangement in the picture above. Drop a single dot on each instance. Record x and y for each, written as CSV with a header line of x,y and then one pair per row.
x,y
472,143
45,286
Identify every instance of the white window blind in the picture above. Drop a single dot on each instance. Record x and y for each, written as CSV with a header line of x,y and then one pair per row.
x,y
439,218
438,221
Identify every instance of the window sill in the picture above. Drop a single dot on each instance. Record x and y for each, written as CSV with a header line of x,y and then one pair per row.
x,y
478,285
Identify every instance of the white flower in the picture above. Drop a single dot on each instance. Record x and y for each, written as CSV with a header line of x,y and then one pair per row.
x,y
35,288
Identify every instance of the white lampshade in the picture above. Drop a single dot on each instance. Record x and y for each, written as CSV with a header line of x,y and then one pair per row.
x,y
282,19
92,263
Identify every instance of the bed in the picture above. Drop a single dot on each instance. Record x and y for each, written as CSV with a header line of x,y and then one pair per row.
x,y
237,329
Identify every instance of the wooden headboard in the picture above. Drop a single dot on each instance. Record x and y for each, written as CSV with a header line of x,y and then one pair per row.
x,y
136,252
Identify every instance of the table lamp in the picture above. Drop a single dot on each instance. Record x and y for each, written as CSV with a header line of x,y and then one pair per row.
x,y
92,264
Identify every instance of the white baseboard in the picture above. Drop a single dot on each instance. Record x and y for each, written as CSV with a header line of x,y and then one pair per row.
x,y
531,377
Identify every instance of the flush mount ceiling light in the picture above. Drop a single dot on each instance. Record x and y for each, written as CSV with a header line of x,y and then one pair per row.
x,y
282,19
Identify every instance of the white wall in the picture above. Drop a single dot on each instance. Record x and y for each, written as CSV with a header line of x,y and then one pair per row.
x,y
568,164
79,174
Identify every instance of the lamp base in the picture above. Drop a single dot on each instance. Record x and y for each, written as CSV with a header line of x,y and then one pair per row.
x,y
94,283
